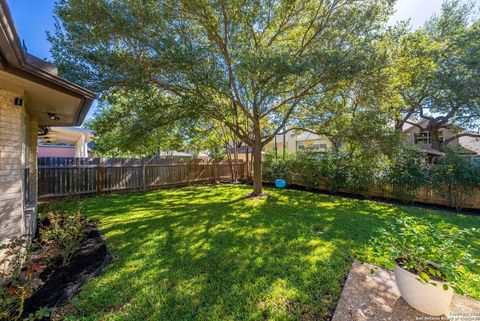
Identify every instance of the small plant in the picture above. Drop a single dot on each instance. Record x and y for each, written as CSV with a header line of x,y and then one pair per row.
x,y
62,229
434,252
18,280
63,233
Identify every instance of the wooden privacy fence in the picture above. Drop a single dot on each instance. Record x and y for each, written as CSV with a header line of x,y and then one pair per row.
x,y
424,194
68,176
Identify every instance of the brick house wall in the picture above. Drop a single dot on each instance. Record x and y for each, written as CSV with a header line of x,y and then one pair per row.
x,y
18,169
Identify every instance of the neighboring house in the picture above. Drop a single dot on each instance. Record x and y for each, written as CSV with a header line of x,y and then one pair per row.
x,y
173,154
467,147
32,96
65,142
294,142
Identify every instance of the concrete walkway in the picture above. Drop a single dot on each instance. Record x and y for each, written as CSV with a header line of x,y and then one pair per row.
x,y
375,297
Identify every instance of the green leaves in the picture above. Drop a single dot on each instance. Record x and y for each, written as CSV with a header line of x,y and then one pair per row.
x,y
434,252
455,177
424,276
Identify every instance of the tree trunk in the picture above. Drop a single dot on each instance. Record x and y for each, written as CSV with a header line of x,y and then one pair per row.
x,y
257,170
247,163
276,151
257,161
235,159
436,143
229,159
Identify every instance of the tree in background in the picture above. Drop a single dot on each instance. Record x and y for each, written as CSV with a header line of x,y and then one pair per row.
x,y
356,114
217,140
439,74
248,64
413,65
136,125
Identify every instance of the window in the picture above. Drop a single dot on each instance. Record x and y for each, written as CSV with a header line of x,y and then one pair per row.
x,y
425,137
301,146
319,146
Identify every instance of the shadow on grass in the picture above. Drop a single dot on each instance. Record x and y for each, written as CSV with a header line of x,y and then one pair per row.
x,y
208,253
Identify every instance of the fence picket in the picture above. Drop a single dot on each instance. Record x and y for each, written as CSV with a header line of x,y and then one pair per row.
x,y
59,177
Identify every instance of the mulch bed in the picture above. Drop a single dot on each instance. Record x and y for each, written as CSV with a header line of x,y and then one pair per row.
x,y
62,281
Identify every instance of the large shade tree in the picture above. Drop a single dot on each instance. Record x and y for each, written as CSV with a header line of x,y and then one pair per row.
x,y
249,64
439,74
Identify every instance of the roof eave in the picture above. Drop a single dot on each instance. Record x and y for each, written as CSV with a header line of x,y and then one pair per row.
x,y
9,40
83,110
16,61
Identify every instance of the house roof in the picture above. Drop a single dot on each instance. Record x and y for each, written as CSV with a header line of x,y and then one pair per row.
x,y
307,136
297,136
38,80
471,143
423,122
464,151
174,153
64,135
430,151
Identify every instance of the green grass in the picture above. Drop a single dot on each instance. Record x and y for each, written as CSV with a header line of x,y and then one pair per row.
x,y
207,253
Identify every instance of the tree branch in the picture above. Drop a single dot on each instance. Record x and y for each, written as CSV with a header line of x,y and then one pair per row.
x,y
451,139
416,125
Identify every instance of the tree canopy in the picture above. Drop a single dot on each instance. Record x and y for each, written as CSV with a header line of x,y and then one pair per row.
x,y
439,74
248,64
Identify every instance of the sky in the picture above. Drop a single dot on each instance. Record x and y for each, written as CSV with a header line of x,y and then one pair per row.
x,y
33,18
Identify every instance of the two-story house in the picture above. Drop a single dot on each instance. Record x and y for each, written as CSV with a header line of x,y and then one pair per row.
x,y
467,147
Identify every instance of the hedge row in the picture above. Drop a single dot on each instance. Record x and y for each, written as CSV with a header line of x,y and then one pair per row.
x,y
406,169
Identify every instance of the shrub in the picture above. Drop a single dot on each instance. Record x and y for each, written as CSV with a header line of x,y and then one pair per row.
x,y
455,177
337,170
277,167
354,173
62,229
434,252
308,168
407,172
405,168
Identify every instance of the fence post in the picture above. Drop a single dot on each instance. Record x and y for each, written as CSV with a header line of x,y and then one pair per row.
x,y
215,175
99,177
144,185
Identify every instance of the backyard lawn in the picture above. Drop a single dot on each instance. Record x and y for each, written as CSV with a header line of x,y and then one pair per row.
x,y
208,253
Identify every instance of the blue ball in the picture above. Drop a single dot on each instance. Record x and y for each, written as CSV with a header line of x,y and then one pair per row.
x,y
280,183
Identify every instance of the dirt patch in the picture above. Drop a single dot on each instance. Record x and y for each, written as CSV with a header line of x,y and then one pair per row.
x,y
61,281
253,196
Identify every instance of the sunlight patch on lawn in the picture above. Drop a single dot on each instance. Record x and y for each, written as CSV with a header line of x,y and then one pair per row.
x,y
210,253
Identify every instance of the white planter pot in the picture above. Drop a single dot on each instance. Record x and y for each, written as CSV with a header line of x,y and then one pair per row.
x,y
426,298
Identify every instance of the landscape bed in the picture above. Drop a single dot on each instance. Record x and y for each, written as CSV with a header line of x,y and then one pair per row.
x,y
61,281
210,253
